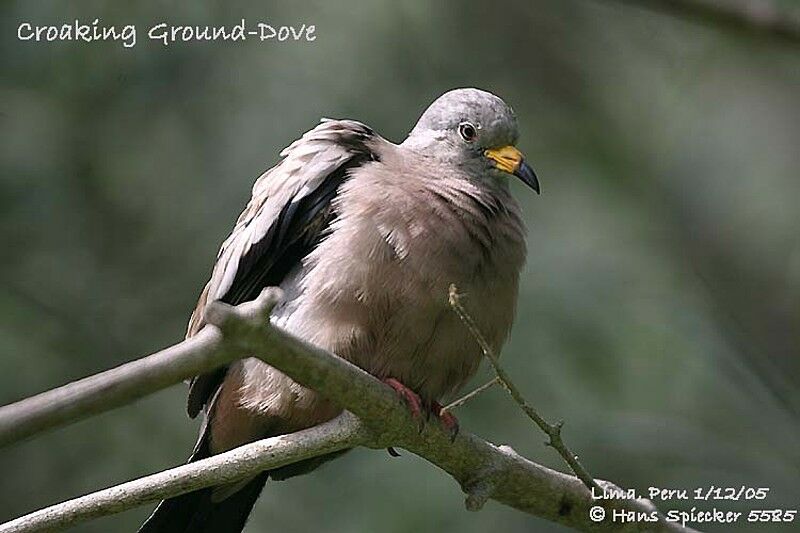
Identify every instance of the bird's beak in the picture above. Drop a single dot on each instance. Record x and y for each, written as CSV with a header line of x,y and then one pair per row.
x,y
509,159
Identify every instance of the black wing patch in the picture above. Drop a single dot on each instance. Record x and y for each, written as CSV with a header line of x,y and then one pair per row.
x,y
298,230
299,227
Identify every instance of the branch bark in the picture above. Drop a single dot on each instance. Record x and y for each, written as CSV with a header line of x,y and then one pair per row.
x,y
338,434
761,18
484,471
553,431
113,388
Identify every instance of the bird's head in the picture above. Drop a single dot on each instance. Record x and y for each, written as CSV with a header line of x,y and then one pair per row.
x,y
475,129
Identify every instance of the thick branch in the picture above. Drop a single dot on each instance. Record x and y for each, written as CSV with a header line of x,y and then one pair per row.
x,y
112,388
482,469
761,17
125,383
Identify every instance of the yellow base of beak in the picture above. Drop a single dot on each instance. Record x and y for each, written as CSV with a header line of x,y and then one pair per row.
x,y
508,158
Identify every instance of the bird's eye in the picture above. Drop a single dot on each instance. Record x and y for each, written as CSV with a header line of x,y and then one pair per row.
x,y
467,131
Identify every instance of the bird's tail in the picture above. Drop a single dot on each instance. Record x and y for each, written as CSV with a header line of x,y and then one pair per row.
x,y
197,512
219,510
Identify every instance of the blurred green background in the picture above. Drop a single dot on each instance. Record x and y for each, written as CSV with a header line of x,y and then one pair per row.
x,y
660,307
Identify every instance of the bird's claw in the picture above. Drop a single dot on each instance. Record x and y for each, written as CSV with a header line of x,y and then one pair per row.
x,y
448,420
415,405
411,398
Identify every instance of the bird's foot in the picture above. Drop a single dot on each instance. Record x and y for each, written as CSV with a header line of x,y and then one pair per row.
x,y
448,420
411,398
415,405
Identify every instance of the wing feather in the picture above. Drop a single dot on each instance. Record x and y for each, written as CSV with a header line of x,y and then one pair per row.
x,y
289,210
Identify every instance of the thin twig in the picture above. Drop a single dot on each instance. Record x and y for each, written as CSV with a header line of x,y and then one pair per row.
x,y
467,397
553,431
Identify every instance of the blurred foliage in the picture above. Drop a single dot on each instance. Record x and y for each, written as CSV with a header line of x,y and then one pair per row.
x,y
660,309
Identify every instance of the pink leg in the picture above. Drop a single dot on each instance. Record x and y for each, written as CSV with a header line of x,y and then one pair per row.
x,y
414,402
412,398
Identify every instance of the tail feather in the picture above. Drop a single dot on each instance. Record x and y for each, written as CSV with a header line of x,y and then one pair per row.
x,y
199,512
195,512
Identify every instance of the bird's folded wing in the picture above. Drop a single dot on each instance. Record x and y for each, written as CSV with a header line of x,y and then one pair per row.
x,y
289,210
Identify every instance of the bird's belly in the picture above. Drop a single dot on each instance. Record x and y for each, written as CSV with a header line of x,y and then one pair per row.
x,y
383,305
396,322
420,343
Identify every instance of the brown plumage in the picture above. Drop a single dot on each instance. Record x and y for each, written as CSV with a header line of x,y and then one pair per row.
x,y
364,237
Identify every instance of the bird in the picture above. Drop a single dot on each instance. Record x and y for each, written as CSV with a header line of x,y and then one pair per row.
x,y
364,237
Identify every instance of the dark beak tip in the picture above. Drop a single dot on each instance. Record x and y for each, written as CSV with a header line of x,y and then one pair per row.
x,y
528,176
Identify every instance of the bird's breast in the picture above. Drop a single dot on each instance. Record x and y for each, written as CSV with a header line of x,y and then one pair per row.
x,y
375,290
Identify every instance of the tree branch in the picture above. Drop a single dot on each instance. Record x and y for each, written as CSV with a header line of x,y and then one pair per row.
x,y
761,18
341,433
112,388
553,431
483,470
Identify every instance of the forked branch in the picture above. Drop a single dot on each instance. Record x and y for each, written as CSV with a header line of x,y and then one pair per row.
x,y
483,470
